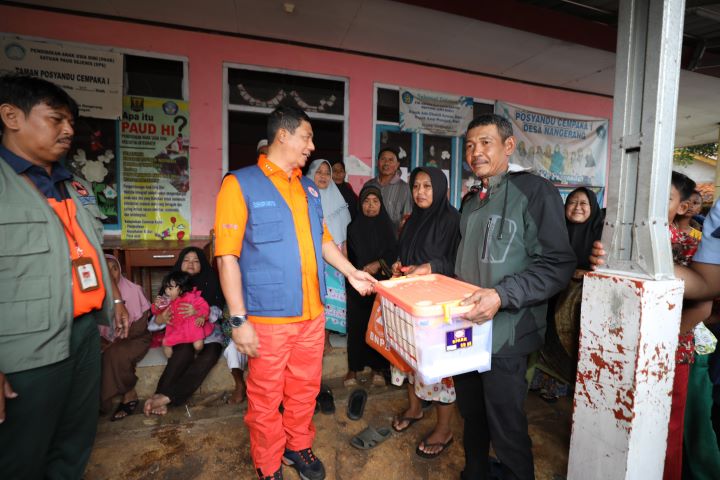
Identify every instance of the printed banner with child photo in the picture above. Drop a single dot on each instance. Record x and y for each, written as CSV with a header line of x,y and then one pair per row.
x,y
568,150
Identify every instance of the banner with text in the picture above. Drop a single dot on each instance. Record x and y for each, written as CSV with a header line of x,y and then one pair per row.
x,y
434,113
93,78
568,150
155,160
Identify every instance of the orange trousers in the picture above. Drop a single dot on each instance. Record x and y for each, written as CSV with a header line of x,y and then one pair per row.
x,y
287,369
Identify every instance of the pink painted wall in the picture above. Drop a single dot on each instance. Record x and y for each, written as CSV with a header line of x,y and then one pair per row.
x,y
206,54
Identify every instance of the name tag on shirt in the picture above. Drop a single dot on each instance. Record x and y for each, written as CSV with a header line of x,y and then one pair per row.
x,y
85,274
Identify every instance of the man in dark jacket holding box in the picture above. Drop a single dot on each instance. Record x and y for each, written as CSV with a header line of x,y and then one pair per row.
x,y
515,247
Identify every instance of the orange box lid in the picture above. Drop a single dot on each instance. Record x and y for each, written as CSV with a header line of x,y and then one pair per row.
x,y
427,295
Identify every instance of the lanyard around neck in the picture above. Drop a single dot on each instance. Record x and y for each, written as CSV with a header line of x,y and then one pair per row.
x,y
70,230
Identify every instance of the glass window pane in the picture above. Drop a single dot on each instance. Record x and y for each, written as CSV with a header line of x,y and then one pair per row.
x,y
437,152
246,129
400,141
154,77
388,108
482,109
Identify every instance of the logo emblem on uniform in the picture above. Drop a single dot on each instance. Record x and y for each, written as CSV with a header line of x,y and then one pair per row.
x,y
313,192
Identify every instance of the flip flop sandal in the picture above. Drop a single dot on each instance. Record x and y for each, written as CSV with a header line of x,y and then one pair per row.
x,y
444,446
350,382
325,401
410,421
378,380
370,438
356,404
126,408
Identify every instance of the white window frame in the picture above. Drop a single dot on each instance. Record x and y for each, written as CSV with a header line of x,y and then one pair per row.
x,y
227,107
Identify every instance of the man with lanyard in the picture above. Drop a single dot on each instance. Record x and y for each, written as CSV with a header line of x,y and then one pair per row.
x,y
54,290
271,245
514,247
396,194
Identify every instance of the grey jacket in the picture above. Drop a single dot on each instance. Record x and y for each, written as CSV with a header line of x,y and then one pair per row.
x,y
516,242
36,302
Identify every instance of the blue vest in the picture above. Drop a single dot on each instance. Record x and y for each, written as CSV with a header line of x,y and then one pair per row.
x,y
270,257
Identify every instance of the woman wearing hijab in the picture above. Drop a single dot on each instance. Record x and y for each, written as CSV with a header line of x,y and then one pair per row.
x,y
337,218
372,247
428,244
185,372
584,220
121,355
338,176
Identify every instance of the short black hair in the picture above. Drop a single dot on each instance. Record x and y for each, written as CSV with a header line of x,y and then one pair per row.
x,y
287,117
179,278
25,92
683,184
390,149
504,127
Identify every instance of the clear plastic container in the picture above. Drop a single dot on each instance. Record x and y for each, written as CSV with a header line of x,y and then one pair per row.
x,y
423,325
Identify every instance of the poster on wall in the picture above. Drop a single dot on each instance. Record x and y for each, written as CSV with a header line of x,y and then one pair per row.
x,y
155,159
93,158
434,113
568,150
93,78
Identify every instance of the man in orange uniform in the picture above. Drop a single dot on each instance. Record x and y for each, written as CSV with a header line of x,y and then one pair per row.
x,y
271,245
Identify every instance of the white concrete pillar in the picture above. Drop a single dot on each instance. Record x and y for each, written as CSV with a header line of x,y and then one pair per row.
x,y
628,336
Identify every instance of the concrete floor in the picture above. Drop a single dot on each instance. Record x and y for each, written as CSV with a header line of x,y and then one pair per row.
x,y
208,440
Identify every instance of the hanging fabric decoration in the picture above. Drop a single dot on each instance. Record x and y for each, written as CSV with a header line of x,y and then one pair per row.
x,y
281,95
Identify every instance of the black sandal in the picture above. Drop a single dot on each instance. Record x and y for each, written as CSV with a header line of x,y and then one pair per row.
x,y
325,401
126,408
356,404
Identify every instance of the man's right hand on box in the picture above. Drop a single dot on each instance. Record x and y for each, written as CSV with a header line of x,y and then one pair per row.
x,y
487,303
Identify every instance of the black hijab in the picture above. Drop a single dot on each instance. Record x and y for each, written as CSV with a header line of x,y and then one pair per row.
x,y
371,238
206,280
582,235
432,235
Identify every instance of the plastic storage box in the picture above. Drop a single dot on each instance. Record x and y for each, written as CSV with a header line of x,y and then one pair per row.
x,y
422,324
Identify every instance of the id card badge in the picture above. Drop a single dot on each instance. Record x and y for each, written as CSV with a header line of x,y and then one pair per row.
x,y
85,274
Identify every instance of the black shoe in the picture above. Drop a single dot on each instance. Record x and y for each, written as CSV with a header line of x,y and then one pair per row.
x,y
275,476
308,466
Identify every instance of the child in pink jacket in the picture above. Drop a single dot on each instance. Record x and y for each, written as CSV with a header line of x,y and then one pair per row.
x,y
175,295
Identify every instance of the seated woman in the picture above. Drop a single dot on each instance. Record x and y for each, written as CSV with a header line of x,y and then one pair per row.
x,y
428,244
371,245
584,219
337,218
185,371
121,355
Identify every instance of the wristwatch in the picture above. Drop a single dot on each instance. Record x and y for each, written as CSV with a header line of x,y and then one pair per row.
x,y
237,321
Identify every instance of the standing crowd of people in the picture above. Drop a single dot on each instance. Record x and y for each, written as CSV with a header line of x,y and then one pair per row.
x,y
296,256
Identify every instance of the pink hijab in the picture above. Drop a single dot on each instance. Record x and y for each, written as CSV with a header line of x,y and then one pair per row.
x,y
133,294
